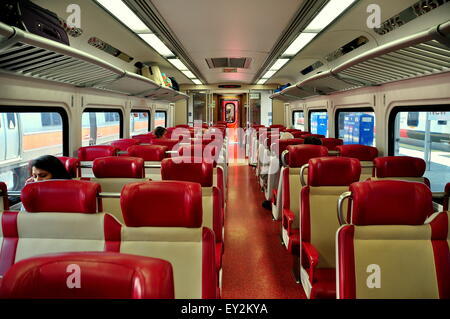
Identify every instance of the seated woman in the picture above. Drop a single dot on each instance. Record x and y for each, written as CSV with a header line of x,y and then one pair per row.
x,y
47,167
160,132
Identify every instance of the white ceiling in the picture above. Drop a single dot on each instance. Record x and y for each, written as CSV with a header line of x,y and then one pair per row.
x,y
227,28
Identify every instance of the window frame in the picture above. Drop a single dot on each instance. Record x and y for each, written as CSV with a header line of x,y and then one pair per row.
x,y
293,116
310,111
165,116
105,110
149,117
409,108
45,109
352,109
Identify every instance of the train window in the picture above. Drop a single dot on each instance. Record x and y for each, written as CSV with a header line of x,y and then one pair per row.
x,y
161,118
298,120
139,122
101,127
356,127
318,122
24,136
420,135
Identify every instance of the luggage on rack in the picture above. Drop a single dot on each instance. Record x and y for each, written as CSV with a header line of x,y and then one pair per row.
x,y
150,72
32,18
175,85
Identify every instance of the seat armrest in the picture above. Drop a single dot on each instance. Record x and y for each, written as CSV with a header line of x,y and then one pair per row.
x,y
312,256
288,220
274,196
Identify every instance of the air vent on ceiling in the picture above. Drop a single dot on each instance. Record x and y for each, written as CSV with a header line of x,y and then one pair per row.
x,y
243,63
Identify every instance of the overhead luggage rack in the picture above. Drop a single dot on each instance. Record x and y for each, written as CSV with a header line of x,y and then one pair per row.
x,y
26,54
418,55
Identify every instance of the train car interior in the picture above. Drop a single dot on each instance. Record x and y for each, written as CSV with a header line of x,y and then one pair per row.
x,y
257,149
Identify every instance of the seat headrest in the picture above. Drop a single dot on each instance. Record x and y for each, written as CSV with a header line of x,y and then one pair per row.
x,y
151,153
195,171
71,164
208,153
66,196
90,153
333,171
361,152
390,202
165,142
162,204
118,167
399,166
3,187
299,155
101,275
124,144
143,138
283,144
331,143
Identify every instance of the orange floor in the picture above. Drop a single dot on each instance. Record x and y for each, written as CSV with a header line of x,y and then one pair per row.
x,y
255,264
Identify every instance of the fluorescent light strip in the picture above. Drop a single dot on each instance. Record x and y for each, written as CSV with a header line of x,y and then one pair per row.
x,y
262,81
178,64
189,74
269,74
328,14
302,40
156,44
196,81
279,64
121,11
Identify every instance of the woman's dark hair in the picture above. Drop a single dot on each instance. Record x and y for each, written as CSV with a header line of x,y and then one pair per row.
x,y
312,140
160,131
52,165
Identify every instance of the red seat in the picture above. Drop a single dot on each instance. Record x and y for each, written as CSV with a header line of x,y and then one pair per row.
x,y
298,156
118,167
101,275
124,144
401,167
166,218
212,197
170,143
366,155
72,165
328,178
90,153
393,246
331,143
143,138
361,152
71,196
149,153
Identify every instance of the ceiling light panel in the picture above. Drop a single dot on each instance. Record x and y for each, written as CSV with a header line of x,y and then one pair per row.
x,y
124,14
156,44
178,64
328,14
189,74
279,64
302,40
196,81
262,81
269,74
